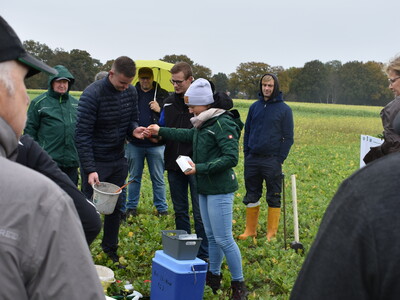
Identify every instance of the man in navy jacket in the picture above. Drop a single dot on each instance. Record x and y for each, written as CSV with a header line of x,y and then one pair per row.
x,y
268,136
107,115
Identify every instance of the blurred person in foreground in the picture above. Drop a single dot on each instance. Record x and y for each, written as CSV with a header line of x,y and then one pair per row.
x,y
150,101
355,254
215,135
177,115
42,244
388,114
51,122
107,115
268,137
31,155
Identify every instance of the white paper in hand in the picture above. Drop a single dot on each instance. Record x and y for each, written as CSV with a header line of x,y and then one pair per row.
x,y
183,162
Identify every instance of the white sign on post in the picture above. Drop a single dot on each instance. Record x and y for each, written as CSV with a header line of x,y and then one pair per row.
x,y
367,142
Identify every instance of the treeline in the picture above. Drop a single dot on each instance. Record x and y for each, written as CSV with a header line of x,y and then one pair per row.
x,y
354,82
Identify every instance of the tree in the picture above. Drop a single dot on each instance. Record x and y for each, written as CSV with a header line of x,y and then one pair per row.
x,y
363,84
81,60
220,81
200,71
284,79
333,85
107,66
44,53
246,79
40,51
173,59
310,83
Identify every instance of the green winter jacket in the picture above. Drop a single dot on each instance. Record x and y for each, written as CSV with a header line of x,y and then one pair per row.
x,y
215,153
51,122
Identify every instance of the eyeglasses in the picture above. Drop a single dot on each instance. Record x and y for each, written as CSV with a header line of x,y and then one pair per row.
x,y
393,80
177,82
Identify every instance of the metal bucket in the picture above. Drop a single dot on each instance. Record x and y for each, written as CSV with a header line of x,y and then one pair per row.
x,y
104,197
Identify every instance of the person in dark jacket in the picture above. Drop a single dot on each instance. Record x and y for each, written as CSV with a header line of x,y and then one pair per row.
x,y
268,136
31,155
51,122
177,115
150,100
355,254
43,252
388,114
107,115
215,138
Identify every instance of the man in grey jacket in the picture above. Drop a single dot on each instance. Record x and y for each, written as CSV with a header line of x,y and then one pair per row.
x,y
42,245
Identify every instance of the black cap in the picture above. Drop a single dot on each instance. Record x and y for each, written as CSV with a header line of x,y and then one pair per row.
x,y
11,49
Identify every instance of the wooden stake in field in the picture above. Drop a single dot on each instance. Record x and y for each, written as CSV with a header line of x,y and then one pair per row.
x,y
284,210
296,245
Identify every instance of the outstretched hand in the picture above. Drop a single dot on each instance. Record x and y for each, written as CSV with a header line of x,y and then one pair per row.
x,y
153,129
141,133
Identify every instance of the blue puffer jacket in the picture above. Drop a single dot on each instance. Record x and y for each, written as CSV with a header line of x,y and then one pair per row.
x,y
106,117
269,126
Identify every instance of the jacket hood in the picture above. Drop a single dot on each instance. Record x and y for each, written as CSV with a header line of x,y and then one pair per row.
x,y
276,91
62,72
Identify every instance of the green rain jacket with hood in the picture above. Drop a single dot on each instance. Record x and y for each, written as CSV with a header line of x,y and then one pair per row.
x,y
51,122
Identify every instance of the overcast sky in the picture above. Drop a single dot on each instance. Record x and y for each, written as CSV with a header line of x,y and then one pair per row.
x,y
218,34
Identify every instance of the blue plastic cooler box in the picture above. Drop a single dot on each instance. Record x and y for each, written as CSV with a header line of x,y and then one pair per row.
x,y
173,279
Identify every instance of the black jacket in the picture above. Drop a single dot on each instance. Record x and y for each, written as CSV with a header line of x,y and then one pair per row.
x,y
106,117
355,254
176,114
31,155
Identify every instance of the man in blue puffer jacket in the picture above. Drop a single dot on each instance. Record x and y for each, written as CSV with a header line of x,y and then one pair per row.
x,y
268,136
107,115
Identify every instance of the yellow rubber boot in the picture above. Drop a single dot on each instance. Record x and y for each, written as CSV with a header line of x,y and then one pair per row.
x,y
273,222
252,214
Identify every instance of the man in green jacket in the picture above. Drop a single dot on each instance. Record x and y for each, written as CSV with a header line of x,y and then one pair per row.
x,y
51,122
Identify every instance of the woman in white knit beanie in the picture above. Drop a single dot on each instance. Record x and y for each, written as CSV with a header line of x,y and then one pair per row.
x,y
215,135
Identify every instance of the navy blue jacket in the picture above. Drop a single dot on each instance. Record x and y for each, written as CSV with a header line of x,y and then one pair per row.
x,y
106,117
146,115
269,126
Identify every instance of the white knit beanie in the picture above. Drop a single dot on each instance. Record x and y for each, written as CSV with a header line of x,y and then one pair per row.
x,y
199,93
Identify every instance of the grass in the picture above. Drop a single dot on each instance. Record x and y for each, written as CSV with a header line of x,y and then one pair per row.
x,y
325,152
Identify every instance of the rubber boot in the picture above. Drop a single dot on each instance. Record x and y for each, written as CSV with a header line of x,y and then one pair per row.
x,y
273,222
238,290
213,281
252,214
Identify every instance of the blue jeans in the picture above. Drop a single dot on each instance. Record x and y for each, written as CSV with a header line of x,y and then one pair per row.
x,y
216,212
155,161
179,184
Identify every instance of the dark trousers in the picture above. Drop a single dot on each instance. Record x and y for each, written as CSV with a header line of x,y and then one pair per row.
x,y
179,184
258,169
72,174
113,172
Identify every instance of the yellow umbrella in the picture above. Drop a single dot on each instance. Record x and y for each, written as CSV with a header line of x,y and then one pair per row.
x,y
160,70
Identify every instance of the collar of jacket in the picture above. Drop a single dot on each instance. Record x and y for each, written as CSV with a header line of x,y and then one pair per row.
x,y
58,96
8,141
278,98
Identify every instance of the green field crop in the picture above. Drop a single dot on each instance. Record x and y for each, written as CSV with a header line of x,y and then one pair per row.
x,y
325,152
